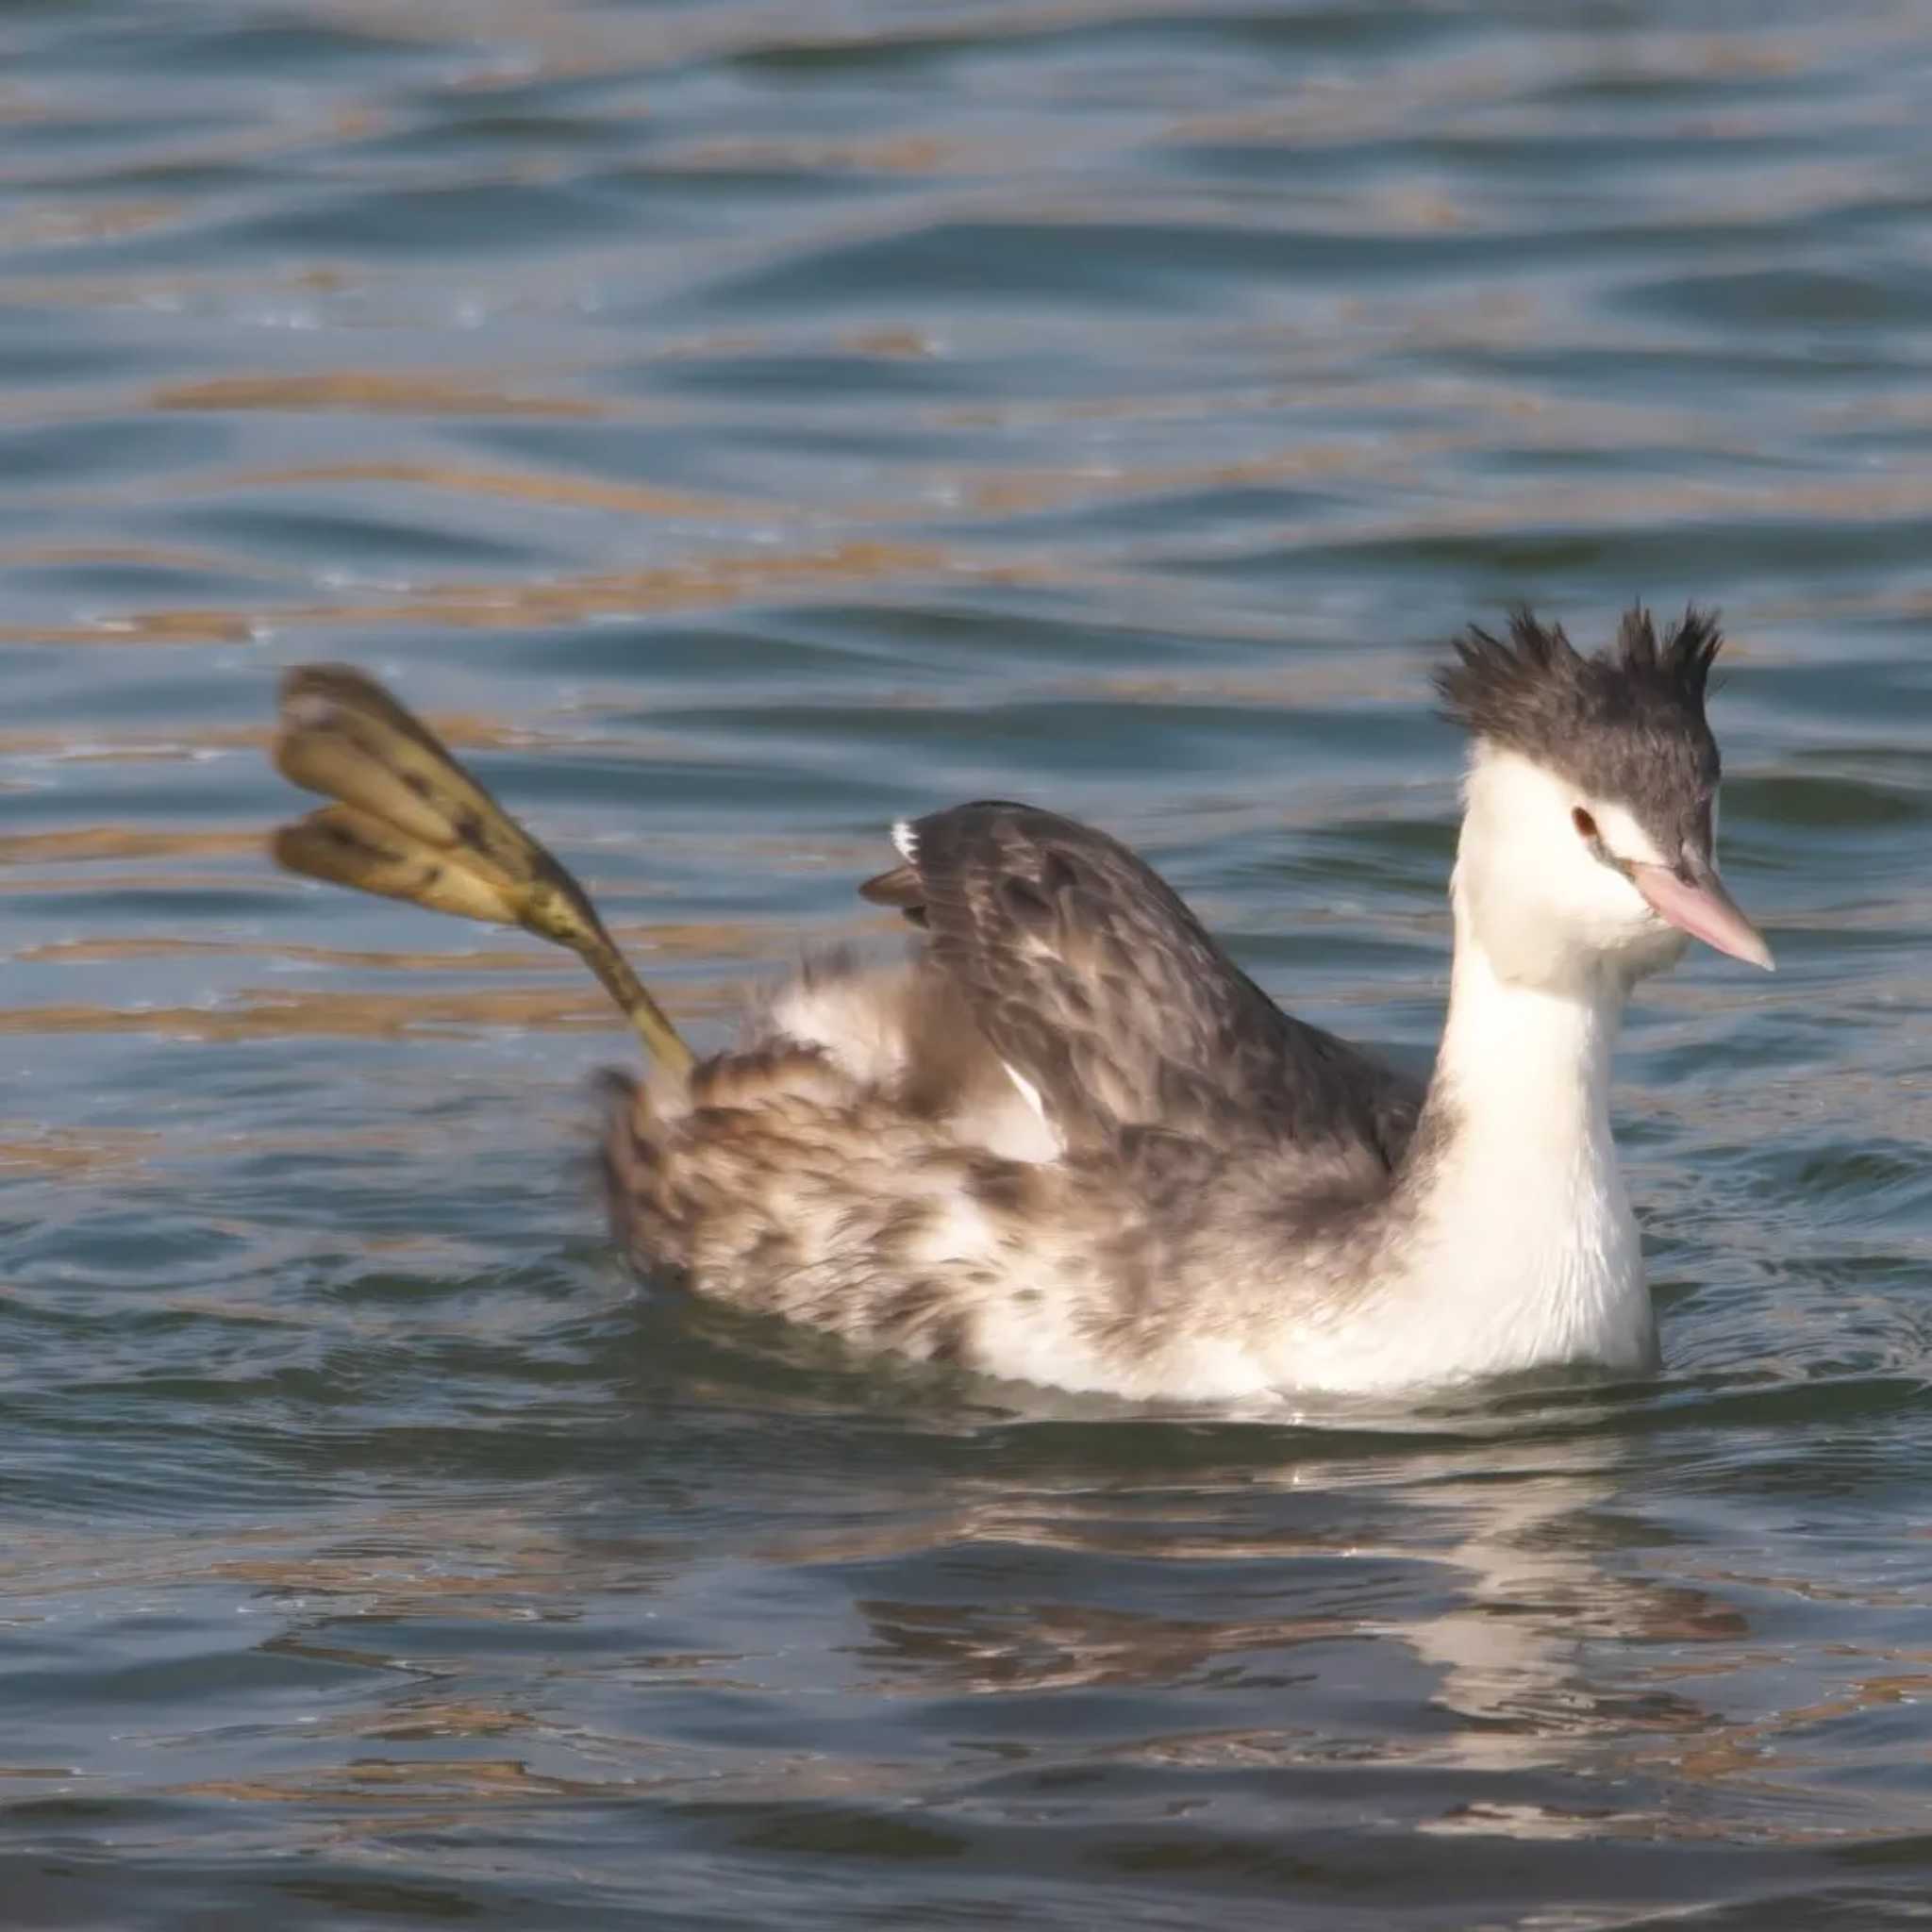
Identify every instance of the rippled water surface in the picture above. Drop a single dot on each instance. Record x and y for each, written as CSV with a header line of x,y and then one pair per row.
x,y
738,424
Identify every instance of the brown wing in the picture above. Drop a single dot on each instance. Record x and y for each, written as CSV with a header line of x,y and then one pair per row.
x,y
1094,982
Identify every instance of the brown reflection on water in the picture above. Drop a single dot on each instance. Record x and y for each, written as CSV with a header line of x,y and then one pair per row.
x,y
107,221
120,842
1057,1646
474,1780
903,154
120,882
259,1014
160,557
692,584
703,940
172,626
524,486
465,731
73,1153
368,391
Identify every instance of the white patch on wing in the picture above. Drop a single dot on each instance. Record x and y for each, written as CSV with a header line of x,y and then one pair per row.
x,y
1027,1088
1013,1125
1007,1127
857,1017
906,841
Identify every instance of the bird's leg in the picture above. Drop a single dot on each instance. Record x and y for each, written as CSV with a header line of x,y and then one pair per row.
x,y
411,823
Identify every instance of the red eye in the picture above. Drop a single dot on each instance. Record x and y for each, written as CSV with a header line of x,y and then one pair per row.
x,y
1586,826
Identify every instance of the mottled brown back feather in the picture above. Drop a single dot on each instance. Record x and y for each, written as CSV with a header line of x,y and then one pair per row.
x,y
1092,979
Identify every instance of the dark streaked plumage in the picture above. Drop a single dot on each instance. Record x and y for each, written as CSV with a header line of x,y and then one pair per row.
x,y
1091,980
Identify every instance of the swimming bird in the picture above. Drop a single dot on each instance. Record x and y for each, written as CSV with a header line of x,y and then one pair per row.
x,y
1069,1140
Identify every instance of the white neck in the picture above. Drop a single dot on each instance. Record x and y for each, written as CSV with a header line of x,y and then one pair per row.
x,y
1524,1250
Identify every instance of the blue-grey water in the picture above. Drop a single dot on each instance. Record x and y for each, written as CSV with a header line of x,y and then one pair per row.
x,y
737,424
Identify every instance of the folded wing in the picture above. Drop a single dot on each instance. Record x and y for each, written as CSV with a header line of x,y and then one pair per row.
x,y
1105,994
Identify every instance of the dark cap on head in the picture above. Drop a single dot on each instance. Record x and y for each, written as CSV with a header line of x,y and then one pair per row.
x,y
1625,722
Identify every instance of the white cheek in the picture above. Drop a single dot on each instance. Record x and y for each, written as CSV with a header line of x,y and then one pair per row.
x,y
1615,907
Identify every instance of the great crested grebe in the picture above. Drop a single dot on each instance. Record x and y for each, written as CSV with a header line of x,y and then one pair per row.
x,y
1069,1140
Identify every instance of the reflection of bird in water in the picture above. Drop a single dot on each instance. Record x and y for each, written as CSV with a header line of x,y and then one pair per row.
x,y
1461,1605
1070,1142
1511,1641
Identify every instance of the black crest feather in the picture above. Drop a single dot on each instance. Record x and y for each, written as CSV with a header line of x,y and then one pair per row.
x,y
1532,689
1627,722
